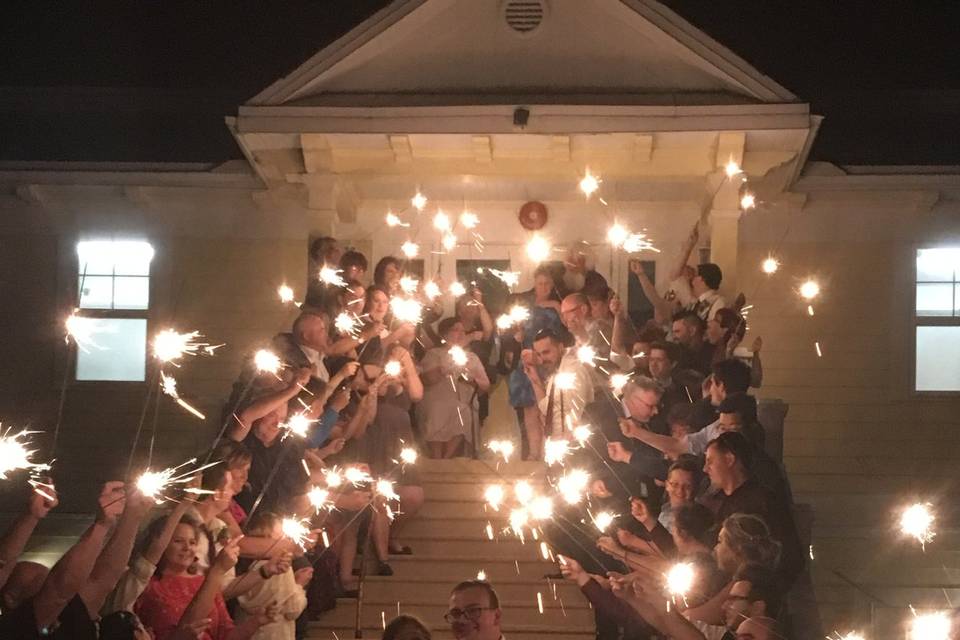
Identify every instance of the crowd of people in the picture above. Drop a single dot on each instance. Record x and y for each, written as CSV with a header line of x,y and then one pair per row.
x,y
675,446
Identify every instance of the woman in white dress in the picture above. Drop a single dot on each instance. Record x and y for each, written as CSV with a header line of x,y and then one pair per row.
x,y
452,378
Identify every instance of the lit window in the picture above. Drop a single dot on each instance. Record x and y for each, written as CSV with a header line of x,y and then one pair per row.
x,y
938,319
113,280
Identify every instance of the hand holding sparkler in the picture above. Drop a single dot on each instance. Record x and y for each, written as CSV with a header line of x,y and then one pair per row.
x,y
110,503
228,556
40,504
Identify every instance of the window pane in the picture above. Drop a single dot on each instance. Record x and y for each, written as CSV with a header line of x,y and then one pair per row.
x,y
938,265
96,292
132,258
934,299
131,293
121,354
938,358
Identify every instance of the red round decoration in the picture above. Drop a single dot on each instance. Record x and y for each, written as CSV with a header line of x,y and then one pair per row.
x,y
533,215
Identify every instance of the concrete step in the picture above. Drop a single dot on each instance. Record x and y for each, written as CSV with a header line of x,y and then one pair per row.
x,y
556,630
445,528
487,466
470,490
454,569
502,547
573,614
430,590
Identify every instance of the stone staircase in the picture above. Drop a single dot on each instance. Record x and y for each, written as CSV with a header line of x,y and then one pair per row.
x,y
450,544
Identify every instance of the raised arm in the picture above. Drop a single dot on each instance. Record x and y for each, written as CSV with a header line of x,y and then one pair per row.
x,y
73,569
671,446
204,599
17,536
411,379
624,333
267,404
685,251
662,309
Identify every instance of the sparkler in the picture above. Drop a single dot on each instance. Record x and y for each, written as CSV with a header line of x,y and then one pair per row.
x,y
603,520
329,275
15,454
385,488
285,293
458,355
441,221
540,602
406,310
504,322
169,385
82,329
581,434
408,455
809,290
298,424
170,346
816,345
410,249
469,220
564,380
618,381
518,520
449,241
586,354
731,168
333,478
770,265
267,361
523,491
320,499
509,278
930,626
392,368
489,530
153,484
538,249
409,285
748,201
297,531
540,508
493,495
589,184
419,201
482,575
572,485
638,242
346,323
617,235
457,289
356,475
431,289
519,313
394,221
680,580
917,522
555,450
850,635
503,447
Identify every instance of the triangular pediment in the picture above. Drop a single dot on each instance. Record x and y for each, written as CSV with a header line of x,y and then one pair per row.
x,y
603,51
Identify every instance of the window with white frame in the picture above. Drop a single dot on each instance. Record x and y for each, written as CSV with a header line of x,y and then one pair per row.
x,y
113,281
938,319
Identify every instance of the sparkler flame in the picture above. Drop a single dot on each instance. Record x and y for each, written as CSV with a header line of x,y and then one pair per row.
x,y
410,249
285,293
617,235
504,322
170,346
680,579
409,285
930,626
731,168
581,434
589,184
469,220
441,221
153,484
298,424
320,499
458,355
748,201
586,354
329,275
603,520
509,278
169,386
917,522
518,519
297,531
15,454
494,495
482,575
555,450
385,489
457,289
770,265
572,485
394,221
346,323
618,381
809,290
392,368
267,361
519,313
406,310
502,447
540,508
408,455
431,289
850,635
356,475
638,242
82,329
523,491
565,380
333,478
538,249
449,241
419,201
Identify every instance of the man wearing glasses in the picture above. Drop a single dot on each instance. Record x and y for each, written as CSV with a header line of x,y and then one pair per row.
x,y
474,612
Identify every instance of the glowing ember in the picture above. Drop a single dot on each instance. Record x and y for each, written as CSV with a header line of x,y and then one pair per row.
x,y
410,249
346,323
449,241
469,220
540,508
538,249
502,447
523,491
170,346
298,424
333,478
603,520
419,201
482,575
509,278
581,434
494,495
392,368
394,221
572,485
930,626
458,355
169,386
518,519
297,531
15,454
617,235
748,201
406,310
441,221
409,285
680,579
385,489
540,602
586,354
329,275
408,455
816,345
457,289
731,168
850,635
431,289
589,184
809,290
564,380
267,361
638,242
504,322
555,450
770,265
917,522
519,313
152,484
320,499
285,293
618,381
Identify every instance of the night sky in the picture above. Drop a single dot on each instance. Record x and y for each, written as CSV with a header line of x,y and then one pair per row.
x,y
152,81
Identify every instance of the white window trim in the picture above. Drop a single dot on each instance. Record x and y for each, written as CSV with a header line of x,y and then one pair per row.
x,y
927,321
